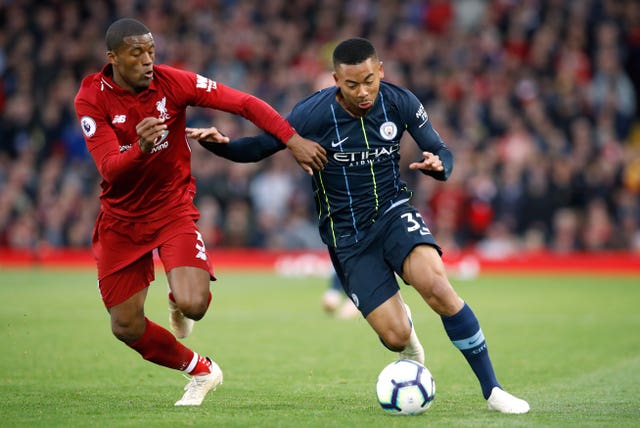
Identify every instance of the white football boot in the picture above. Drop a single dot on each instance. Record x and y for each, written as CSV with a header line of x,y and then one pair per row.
x,y
503,402
414,350
331,299
348,310
200,385
181,326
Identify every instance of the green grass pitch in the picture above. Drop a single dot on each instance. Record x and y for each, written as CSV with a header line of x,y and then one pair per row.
x,y
568,344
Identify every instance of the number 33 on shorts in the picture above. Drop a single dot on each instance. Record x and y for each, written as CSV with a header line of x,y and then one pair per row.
x,y
414,222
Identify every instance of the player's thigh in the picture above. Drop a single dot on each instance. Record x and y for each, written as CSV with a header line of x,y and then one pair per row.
x,y
423,268
412,251
188,283
405,230
186,263
390,319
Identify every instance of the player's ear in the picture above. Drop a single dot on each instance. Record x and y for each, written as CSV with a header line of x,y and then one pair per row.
x,y
335,77
112,57
380,70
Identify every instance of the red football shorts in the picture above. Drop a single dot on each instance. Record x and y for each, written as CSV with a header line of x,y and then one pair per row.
x,y
124,253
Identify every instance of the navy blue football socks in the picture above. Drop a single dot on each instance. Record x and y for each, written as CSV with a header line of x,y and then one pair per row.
x,y
465,333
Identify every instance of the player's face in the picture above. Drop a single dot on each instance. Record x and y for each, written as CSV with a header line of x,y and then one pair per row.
x,y
133,62
359,85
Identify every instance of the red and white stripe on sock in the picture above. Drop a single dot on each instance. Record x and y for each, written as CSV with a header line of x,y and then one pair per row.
x,y
198,365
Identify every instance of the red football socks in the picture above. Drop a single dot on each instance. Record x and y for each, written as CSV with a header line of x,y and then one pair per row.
x,y
202,366
159,346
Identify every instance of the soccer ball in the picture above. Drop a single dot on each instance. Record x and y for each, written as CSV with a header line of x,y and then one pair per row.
x,y
405,387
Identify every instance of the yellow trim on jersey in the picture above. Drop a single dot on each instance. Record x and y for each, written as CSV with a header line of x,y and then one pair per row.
x,y
333,231
373,174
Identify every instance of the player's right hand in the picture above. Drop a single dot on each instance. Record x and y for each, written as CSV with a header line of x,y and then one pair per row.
x,y
309,154
209,135
149,130
430,162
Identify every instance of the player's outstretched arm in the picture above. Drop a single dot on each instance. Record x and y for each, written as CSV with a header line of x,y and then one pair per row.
x,y
247,149
309,154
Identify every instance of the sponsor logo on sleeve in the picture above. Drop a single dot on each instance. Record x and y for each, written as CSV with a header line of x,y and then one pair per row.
x,y
205,83
88,126
422,115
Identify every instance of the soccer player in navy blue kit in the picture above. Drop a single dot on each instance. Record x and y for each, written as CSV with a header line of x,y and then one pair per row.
x,y
365,218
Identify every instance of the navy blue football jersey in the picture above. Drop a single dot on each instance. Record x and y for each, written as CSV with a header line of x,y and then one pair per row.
x,y
361,180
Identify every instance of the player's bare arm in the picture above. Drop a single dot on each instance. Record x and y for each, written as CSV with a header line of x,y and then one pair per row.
x,y
430,162
309,154
149,130
208,135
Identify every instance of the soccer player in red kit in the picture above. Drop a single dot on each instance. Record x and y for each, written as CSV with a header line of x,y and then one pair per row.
x,y
133,116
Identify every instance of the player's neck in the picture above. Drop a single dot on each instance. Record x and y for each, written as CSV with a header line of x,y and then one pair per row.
x,y
357,114
122,82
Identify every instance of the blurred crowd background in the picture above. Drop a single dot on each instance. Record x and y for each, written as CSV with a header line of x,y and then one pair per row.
x,y
538,101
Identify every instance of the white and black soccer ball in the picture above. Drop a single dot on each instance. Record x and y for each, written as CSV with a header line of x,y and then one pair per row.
x,y
405,387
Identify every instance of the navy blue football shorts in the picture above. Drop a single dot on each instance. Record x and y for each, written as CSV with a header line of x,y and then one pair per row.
x,y
367,268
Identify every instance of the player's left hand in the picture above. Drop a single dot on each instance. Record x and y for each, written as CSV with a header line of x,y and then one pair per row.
x,y
209,135
309,154
149,130
431,162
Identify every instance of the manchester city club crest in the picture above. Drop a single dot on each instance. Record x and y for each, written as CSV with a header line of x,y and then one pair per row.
x,y
354,298
388,131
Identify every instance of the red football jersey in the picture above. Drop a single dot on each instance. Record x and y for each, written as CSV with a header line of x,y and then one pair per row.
x,y
139,186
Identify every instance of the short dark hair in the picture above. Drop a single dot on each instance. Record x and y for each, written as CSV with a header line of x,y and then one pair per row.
x,y
353,51
122,28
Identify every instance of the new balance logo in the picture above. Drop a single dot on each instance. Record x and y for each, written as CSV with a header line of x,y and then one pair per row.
x,y
119,118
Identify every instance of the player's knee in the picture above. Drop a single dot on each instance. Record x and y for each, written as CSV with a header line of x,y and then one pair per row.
x,y
195,311
397,340
193,307
127,331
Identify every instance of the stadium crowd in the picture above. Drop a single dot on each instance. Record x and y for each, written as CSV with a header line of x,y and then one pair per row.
x,y
537,99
